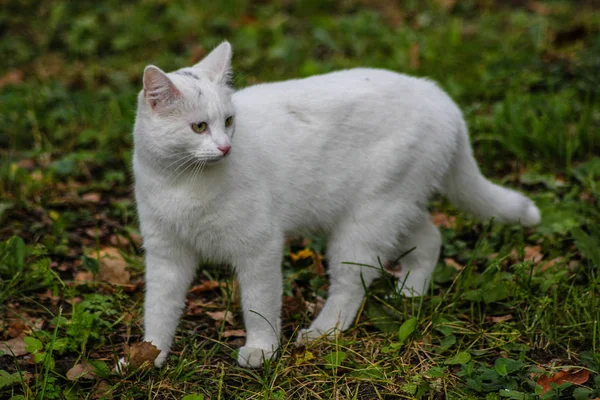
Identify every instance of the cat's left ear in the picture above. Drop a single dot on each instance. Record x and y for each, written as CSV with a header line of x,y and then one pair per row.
x,y
217,64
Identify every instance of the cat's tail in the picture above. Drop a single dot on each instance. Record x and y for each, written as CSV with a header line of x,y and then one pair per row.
x,y
466,187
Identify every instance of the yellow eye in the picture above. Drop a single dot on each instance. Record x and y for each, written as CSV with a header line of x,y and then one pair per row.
x,y
199,127
229,122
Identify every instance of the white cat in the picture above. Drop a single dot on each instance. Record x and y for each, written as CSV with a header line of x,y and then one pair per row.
x,y
223,176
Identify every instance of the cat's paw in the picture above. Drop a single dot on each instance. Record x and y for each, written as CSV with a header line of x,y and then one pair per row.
x,y
311,334
254,357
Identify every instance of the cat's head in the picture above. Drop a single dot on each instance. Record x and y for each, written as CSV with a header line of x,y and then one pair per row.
x,y
186,117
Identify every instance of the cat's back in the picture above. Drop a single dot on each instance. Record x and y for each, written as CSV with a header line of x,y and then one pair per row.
x,y
357,84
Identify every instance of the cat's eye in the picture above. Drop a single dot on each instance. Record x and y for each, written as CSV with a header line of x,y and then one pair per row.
x,y
229,122
200,127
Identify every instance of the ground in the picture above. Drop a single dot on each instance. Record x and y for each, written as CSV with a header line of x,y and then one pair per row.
x,y
513,313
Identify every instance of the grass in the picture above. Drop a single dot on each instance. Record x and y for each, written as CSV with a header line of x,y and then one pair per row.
x,y
508,306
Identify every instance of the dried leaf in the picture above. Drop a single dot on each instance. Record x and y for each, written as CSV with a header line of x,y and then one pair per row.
x,y
81,370
501,318
578,377
83,277
14,346
452,263
102,391
91,197
234,333
112,266
118,240
219,316
533,253
142,353
11,78
443,220
206,286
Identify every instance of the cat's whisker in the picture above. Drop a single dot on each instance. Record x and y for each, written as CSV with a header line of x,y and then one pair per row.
x,y
188,155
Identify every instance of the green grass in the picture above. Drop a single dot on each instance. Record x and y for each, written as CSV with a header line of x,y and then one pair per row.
x,y
497,318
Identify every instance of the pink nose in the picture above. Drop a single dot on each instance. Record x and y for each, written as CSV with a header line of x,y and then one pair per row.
x,y
225,149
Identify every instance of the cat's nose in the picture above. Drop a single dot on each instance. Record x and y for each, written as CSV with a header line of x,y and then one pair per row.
x,y
225,148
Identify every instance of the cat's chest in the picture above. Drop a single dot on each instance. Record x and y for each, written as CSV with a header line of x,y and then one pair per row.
x,y
216,224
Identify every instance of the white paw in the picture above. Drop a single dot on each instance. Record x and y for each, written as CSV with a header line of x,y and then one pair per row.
x,y
254,357
160,359
311,334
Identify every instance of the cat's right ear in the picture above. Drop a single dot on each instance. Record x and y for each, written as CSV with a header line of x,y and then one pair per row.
x,y
159,90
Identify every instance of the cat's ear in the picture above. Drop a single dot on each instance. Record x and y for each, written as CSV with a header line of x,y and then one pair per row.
x,y
159,90
217,64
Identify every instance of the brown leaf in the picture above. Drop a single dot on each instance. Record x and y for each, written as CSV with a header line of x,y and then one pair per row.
x,y
446,4
112,266
452,263
81,370
142,353
14,346
234,333
11,78
501,318
83,277
533,253
443,220
206,286
118,240
578,377
102,391
219,316
538,8
91,197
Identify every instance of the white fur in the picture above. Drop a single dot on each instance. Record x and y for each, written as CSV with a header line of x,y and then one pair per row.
x,y
355,154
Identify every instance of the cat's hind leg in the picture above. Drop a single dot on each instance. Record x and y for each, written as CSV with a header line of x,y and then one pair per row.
x,y
353,252
424,245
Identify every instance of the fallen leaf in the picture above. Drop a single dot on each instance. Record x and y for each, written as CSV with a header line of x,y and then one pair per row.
x,y
83,277
14,346
446,4
81,370
219,316
550,263
538,8
533,253
577,377
26,163
206,286
234,333
440,219
102,391
91,197
499,319
112,266
141,353
118,240
452,263
11,78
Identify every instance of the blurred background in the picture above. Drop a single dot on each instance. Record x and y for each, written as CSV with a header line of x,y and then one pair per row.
x,y
526,73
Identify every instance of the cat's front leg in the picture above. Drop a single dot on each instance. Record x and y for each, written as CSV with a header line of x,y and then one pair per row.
x,y
170,270
261,289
